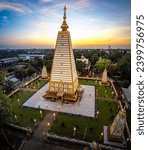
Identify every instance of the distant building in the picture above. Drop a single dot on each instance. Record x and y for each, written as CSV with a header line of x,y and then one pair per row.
x,y
8,61
86,61
12,78
30,56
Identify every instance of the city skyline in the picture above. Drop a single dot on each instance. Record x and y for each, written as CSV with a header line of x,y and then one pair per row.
x,y
92,23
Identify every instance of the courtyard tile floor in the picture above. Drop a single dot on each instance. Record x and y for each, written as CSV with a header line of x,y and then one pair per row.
x,y
85,107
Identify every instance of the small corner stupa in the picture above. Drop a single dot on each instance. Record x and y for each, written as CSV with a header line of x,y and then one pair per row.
x,y
104,79
63,82
44,74
116,130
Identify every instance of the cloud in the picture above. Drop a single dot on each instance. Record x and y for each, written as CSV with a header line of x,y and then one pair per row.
x,y
14,7
5,20
46,1
70,4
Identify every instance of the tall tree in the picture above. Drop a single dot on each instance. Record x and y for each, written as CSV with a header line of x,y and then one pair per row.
x,y
115,56
30,70
4,107
102,64
94,59
20,73
2,78
8,86
37,63
80,66
124,67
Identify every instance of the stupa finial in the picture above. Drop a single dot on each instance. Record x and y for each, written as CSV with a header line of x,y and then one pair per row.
x,y
64,25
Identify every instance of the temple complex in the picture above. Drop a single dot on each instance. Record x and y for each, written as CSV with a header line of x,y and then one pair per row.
x,y
63,82
104,78
44,74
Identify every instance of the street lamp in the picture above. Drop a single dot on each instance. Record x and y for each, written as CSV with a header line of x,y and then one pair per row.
x,y
102,134
74,131
35,122
41,113
16,118
48,124
54,116
97,113
18,101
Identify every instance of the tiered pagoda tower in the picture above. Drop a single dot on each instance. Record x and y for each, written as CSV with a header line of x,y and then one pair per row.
x,y
116,130
104,78
63,82
44,74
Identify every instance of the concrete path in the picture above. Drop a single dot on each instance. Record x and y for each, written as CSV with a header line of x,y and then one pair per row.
x,y
29,89
37,143
43,127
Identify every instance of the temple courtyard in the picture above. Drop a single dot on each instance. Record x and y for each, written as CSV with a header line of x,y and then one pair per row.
x,y
84,107
31,115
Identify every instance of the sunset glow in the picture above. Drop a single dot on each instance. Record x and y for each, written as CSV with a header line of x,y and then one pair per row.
x,y
92,23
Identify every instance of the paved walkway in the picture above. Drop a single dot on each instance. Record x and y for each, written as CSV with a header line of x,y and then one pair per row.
x,y
43,127
36,143
29,89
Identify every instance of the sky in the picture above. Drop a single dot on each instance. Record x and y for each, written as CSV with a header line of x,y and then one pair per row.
x,y
92,23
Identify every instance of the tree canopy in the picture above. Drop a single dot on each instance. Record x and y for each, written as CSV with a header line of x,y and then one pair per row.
x,y
80,66
94,59
4,107
124,67
102,64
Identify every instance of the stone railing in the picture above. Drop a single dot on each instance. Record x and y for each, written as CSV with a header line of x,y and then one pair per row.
x,y
19,128
65,139
13,92
27,83
112,85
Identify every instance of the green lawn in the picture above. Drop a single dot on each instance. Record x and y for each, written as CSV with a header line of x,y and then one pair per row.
x,y
102,90
24,114
37,84
107,111
94,127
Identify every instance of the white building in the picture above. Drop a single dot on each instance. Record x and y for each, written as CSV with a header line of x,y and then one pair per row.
x,y
84,60
8,60
30,56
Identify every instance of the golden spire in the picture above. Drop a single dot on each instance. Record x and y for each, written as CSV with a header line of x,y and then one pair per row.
x,y
64,25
